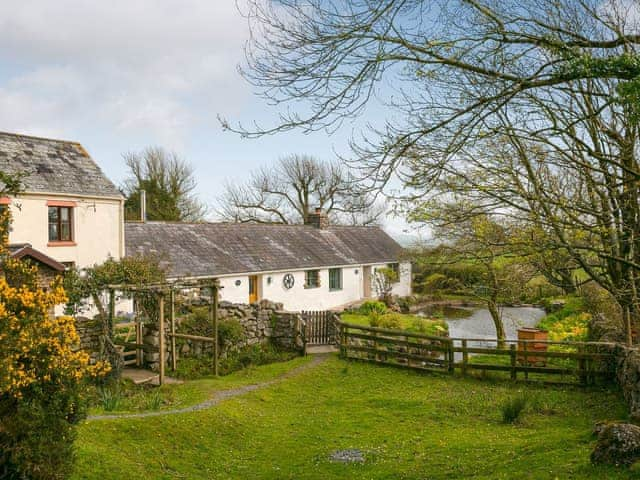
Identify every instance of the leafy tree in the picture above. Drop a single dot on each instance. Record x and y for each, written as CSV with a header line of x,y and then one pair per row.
x,y
292,189
384,279
169,184
42,372
474,237
528,108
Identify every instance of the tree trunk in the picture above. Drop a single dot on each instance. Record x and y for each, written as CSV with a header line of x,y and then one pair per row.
x,y
501,336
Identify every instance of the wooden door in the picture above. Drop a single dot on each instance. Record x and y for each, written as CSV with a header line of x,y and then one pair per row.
x,y
253,289
366,282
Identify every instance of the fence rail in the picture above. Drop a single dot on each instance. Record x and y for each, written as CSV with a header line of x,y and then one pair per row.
x,y
574,362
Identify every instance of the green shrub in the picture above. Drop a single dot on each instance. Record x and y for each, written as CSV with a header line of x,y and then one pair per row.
x,y
570,323
513,408
198,323
391,321
230,331
435,281
192,368
371,306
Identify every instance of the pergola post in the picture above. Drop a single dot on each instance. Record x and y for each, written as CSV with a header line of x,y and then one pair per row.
x,y
215,286
112,311
161,337
173,331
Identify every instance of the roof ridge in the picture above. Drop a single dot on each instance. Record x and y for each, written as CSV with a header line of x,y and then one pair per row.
x,y
36,137
248,224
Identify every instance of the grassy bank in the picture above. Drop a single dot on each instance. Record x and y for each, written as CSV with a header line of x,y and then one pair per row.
x,y
136,398
409,426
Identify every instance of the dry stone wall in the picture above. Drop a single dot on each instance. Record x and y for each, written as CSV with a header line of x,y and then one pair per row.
x,y
264,322
90,331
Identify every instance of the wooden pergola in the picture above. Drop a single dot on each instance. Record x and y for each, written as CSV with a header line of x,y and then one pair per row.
x,y
161,291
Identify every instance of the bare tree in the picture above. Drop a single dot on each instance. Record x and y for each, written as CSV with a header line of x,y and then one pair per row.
x,y
169,183
529,108
292,189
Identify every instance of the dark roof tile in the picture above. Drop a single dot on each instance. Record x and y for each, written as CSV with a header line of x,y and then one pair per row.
x,y
210,249
54,166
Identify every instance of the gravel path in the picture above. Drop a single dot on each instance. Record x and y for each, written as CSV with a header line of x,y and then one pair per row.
x,y
217,396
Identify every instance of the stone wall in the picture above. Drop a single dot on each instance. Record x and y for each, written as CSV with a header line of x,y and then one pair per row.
x,y
90,331
627,367
264,322
628,377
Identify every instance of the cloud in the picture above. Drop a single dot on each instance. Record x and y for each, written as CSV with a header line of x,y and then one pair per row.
x,y
152,66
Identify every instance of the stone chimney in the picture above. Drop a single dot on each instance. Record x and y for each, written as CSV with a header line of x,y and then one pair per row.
x,y
319,219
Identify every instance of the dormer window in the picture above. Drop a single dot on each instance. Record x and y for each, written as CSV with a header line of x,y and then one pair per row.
x,y
60,223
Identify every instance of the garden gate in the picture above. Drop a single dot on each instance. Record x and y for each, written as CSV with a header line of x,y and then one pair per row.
x,y
319,328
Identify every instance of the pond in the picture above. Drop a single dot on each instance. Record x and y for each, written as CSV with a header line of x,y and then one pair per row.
x,y
466,322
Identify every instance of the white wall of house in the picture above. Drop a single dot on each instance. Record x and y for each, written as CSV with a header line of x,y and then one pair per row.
x,y
98,231
271,287
318,298
235,293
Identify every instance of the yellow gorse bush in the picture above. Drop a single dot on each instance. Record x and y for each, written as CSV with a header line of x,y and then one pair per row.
x,y
36,348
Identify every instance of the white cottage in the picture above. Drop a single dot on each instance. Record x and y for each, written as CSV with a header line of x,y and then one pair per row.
x,y
69,213
305,267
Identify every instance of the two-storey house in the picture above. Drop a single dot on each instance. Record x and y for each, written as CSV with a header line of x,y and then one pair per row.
x,y
69,212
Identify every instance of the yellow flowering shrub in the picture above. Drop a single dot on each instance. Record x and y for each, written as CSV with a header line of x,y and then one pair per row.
x,y
42,374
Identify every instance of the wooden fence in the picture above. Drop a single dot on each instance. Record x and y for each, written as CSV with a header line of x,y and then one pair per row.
x,y
573,362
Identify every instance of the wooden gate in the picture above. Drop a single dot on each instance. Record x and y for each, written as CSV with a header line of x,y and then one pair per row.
x,y
319,328
128,338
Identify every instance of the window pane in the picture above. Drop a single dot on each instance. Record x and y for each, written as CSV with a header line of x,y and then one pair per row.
x,y
53,232
311,278
64,214
53,214
335,279
65,231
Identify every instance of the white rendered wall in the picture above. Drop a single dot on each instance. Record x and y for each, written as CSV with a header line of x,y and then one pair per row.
x,y
403,287
97,228
320,298
235,293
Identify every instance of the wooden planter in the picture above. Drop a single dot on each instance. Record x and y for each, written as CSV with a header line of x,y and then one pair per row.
x,y
527,338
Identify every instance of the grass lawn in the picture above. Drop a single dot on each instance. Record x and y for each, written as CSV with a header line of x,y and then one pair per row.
x,y
409,425
139,398
412,323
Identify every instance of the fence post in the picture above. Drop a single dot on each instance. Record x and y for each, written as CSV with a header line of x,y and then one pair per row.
x,y
526,359
581,366
512,354
465,357
343,341
451,356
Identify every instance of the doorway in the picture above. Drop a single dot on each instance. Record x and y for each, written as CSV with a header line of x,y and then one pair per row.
x,y
366,282
253,289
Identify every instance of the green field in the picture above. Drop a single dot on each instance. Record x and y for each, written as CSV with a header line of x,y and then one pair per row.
x,y
409,426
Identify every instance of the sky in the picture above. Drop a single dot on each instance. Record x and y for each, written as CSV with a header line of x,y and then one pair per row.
x,y
121,75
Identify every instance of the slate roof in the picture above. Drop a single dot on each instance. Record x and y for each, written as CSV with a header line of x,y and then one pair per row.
x,y
211,249
21,250
54,166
